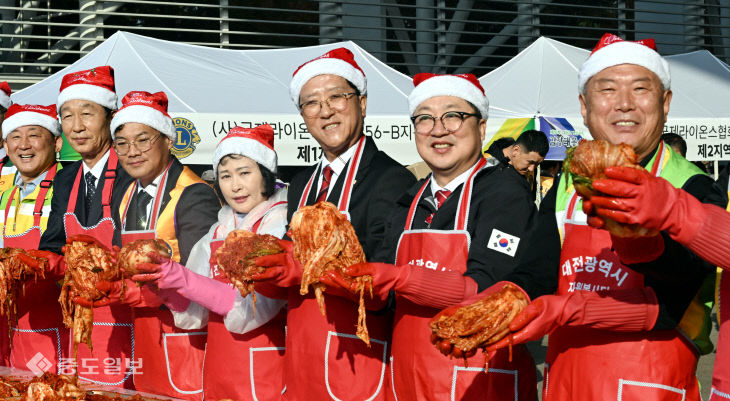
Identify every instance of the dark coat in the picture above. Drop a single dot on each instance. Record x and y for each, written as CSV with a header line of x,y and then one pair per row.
x,y
500,200
379,181
55,235
196,211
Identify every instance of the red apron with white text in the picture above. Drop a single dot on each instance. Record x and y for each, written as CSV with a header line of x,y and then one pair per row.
x,y
112,361
589,364
324,358
172,358
255,359
40,338
419,371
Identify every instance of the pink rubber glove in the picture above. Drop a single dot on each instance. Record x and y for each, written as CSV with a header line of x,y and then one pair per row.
x,y
445,347
282,269
134,295
426,287
216,296
619,310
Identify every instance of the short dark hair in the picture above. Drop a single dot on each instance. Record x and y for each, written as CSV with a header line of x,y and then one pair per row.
x,y
673,140
357,91
268,176
533,141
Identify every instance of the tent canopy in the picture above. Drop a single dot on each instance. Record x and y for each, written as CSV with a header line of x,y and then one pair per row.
x,y
201,79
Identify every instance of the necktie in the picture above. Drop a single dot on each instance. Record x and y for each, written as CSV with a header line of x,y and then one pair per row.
x,y
326,177
441,197
90,188
143,199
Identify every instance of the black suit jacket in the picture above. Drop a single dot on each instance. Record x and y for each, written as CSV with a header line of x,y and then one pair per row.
x,y
196,211
55,235
379,182
500,200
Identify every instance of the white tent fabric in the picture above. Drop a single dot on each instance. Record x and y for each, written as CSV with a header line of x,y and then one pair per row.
x,y
215,89
542,81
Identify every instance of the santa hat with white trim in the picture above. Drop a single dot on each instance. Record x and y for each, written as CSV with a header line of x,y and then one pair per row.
x,y
145,108
465,86
255,143
340,62
20,115
611,50
96,85
5,91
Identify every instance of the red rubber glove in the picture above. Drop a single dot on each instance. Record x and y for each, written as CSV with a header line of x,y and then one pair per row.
x,y
634,196
423,286
134,295
619,310
56,263
282,269
445,347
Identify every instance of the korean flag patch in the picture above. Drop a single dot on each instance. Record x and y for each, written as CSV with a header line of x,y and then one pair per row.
x,y
503,242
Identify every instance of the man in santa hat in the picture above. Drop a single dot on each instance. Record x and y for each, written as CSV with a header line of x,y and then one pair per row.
x,y
324,358
169,202
32,137
451,236
84,193
626,312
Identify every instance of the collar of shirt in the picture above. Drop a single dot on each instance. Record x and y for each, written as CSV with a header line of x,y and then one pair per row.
x,y
28,188
98,167
453,184
151,189
336,165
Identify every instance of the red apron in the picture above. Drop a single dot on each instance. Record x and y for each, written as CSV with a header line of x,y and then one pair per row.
x,y
255,359
418,370
40,336
324,357
721,372
172,357
589,364
113,360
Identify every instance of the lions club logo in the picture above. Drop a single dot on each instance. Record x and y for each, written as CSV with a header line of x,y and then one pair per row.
x,y
187,138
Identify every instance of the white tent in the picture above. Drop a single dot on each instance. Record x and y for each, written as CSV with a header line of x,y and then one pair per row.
x,y
211,90
542,81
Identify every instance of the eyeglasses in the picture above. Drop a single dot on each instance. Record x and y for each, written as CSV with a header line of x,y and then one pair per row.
x,y
142,143
337,102
451,120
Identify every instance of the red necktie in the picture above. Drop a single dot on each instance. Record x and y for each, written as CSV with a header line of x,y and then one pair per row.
x,y
326,177
441,197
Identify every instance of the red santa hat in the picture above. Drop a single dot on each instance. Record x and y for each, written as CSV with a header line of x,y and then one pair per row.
x,y
612,50
465,86
20,115
96,85
145,108
340,62
255,143
5,91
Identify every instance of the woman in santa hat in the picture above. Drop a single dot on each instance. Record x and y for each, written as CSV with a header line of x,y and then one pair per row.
x,y
244,354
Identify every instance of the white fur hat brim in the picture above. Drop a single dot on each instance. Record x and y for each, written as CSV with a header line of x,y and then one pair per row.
x,y
324,66
248,147
624,53
446,85
93,93
147,116
5,101
24,118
